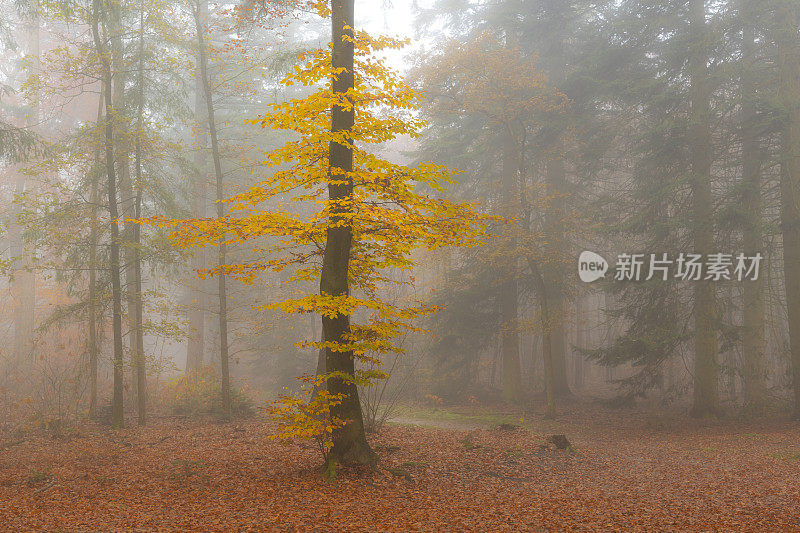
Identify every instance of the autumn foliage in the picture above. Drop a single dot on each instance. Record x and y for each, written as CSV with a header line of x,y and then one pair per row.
x,y
625,476
395,209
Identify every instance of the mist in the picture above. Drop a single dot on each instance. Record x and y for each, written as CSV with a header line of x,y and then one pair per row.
x,y
382,257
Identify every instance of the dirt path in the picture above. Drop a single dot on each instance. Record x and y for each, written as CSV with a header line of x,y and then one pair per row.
x,y
459,425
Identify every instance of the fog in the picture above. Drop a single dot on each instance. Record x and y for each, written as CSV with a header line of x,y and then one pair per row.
x,y
577,218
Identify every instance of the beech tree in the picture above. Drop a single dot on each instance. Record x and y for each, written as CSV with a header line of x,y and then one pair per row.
x,y
371,215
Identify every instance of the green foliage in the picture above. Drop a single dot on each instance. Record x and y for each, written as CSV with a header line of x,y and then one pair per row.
x,y
329,470
17,144
39,476
200,394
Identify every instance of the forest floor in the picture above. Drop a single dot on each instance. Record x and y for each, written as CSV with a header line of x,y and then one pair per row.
x,y
629,470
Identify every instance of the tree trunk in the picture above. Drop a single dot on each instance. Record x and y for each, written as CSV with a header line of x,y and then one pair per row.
x,y
92,306
555,187
198,300
349,441
117,413
128,201
754,372
705,313
581,338
540,284
93,347
555,65
788,25
509,343
221,248
138,310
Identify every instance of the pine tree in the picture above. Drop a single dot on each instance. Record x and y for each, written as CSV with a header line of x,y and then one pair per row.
x,y
786,31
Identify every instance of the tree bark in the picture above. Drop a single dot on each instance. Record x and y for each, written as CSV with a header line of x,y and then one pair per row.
x,y
555,64
137,311
93,347
754,371
581,339
555,189
349,441
198,299
117,413
509,344
540,285
128,203
705,307
221,247
788,44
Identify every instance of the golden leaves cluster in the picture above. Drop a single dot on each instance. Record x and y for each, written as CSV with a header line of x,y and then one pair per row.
x,y
394,209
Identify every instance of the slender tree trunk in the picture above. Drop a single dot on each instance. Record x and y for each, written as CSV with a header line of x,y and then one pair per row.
x,y
138,309
198,299
549,378
754,374
93,348
705,307
117,413
92,307
128,200
788,44
509,344
221,248
349,442
581,339
555,189
540,283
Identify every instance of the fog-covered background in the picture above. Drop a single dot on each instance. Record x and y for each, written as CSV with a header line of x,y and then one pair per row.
x,y
620,127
